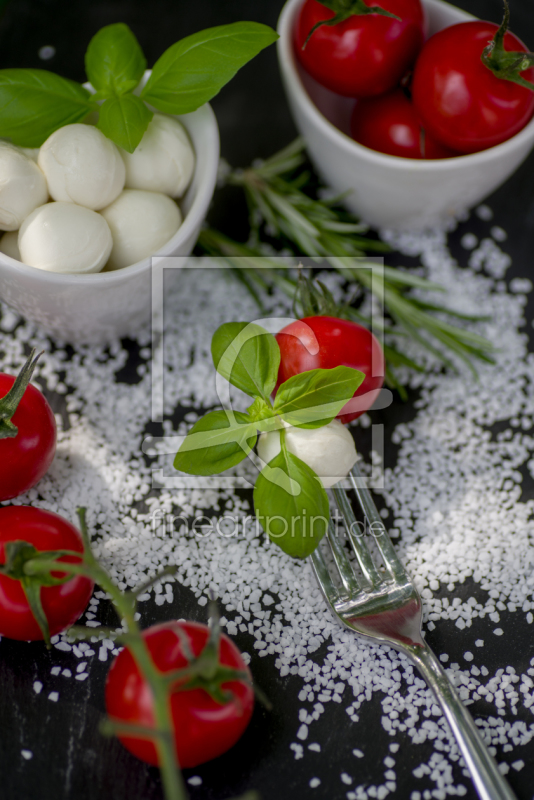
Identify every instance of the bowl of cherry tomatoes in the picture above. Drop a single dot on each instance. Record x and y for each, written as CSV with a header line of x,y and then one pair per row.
x,y
392,119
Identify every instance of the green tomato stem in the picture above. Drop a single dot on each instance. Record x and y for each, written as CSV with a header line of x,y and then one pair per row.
x,y
9,403
344,9
505,64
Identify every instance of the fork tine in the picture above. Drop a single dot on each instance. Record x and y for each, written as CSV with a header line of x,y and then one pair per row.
x,y
365,560
348,578
323,576
393,564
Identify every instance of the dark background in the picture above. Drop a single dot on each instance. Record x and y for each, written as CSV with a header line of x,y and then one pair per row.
x,y
71,759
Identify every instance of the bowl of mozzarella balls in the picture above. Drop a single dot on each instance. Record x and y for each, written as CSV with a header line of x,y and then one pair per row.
x,y
83,219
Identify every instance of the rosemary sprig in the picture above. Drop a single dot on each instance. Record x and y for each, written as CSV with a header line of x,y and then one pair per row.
x,y
286,215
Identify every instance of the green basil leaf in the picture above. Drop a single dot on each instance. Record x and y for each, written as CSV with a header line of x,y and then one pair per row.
x,y
291,504
114,60
260,409
216,442
34,103
247,356
195,69
124,120
314,398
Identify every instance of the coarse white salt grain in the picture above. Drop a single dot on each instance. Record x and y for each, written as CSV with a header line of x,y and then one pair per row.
x,y
498,631
27,754
468,655
518,765
357,753
469,241
53,696
37,687
302,732
484,212
314,783
196,780
479,643
498,234
315,747
298,750
345,778
55,670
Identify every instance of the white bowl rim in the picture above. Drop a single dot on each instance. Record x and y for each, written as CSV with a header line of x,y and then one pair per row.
x,y
197,211
287,61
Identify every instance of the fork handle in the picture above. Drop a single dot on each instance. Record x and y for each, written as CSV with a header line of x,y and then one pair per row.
x,y
485,774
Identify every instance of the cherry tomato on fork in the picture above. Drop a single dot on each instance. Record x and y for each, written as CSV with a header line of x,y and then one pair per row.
x,y
364,55
62,604
204,727
327,342
460,101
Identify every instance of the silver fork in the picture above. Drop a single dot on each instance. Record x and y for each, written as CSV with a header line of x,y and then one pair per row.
x,y
384,606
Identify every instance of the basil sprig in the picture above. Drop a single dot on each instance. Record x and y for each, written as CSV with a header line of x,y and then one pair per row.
x,y
34,102
289,498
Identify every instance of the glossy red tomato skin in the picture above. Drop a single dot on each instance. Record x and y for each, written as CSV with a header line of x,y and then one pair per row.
x,y
364,55
389,124
460,101
328,342
25,458
204,729
62,604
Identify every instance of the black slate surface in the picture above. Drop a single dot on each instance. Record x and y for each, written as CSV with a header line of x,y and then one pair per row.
x,y
71,759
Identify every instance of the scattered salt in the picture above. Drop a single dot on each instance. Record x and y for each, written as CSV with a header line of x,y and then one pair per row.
x,y
454,498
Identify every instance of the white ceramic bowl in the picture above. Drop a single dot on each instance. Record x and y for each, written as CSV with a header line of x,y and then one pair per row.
x,y
387,191
97,308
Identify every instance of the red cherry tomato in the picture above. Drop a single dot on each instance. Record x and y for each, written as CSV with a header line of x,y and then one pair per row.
x,y
390,124
25,458
62,604
328,342
459,100
364,55
204,729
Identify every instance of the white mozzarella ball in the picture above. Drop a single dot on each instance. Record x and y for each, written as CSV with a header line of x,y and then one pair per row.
x,y
329,451
140,223
82,166
22,187
9,245
64,237
163,161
